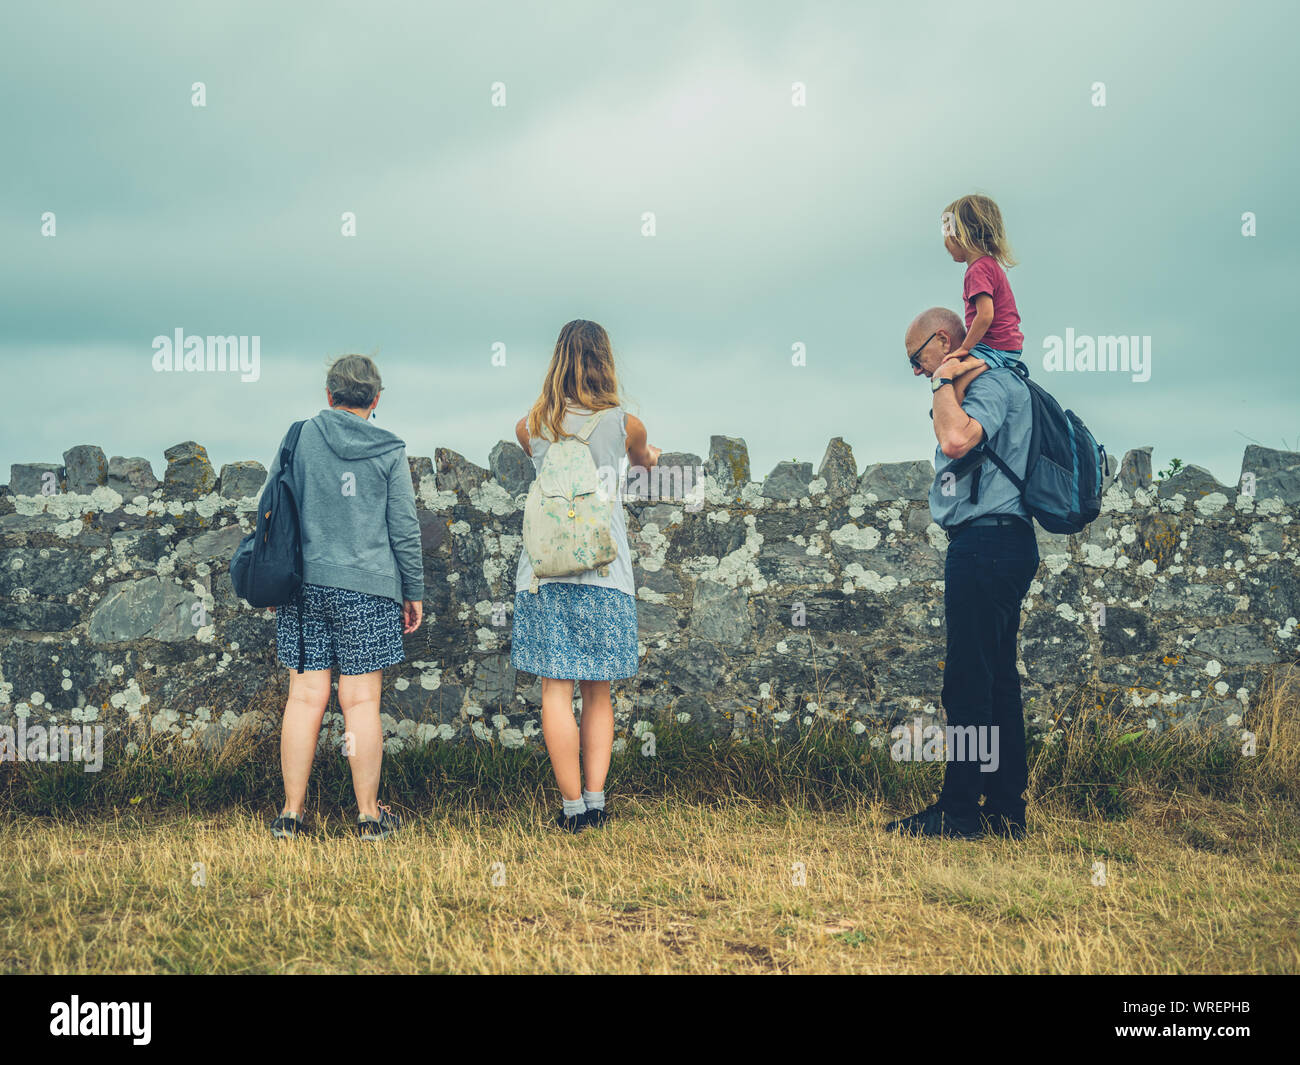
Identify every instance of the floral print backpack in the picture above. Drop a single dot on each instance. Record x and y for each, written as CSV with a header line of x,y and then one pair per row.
x,y
568,519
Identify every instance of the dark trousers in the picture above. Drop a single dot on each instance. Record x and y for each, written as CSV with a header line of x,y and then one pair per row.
x,y
986,576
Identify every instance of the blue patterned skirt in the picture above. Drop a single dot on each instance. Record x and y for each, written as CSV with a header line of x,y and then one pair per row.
x,y
575,632
356,632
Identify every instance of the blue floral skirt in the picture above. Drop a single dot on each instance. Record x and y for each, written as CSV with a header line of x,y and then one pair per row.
x,y
575,632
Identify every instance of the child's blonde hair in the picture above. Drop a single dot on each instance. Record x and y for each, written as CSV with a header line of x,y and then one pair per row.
x,y
975,224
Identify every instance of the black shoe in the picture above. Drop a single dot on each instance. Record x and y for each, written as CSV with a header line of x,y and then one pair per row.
x,y
594,817
576,823
373,829
288,826
999,823
935,821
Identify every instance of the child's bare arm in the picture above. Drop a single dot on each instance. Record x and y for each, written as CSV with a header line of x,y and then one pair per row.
x,y
980,323
962,371
959,386
962,364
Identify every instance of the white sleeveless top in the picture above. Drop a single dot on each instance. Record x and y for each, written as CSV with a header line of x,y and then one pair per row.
x,y
608,443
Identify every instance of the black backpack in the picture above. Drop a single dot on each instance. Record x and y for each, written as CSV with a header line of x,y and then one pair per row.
x,y
266,569
1065,469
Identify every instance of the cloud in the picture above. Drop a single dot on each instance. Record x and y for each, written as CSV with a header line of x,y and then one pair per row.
x,y
775,224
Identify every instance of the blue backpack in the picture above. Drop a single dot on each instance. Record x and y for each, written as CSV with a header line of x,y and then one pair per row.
x,y
266,569
1065,469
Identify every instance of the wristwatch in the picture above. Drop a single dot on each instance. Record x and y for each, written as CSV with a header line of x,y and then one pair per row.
x,y
937,383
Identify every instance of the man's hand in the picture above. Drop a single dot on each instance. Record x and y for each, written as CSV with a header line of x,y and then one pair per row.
x,y
412,614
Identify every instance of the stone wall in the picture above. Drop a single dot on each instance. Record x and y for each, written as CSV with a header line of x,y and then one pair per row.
x,y
762,605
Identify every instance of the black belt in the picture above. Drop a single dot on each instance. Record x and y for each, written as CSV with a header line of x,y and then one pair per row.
x,y
987,519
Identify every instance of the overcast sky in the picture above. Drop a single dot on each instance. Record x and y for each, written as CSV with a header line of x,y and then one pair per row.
x,y
775,224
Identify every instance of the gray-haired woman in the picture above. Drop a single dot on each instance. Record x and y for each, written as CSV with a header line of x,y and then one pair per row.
x,y
363,586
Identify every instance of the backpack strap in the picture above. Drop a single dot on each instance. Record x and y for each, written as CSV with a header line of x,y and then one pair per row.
x,y
290,444
972,463
584,434
997,461
301,650
286,464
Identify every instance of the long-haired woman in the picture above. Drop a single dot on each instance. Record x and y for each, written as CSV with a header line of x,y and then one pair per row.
x,y
582,627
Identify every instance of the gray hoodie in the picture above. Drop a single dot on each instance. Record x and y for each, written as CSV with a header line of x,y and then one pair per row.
x,y
359,526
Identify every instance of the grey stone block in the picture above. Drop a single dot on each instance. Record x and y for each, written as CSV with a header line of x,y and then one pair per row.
x,y
455,473
36,478
189,474
1134,470
50,571
151,608
131,477
898,480
240,480
721,614
788,480
839,469
217,544
1276,473
1235,645
87,468
512,469
728,463
1193,482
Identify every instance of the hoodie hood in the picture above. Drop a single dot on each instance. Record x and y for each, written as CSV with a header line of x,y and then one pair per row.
x,y
350,437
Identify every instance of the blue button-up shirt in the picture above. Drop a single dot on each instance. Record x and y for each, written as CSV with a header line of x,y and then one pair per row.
x,y
999,401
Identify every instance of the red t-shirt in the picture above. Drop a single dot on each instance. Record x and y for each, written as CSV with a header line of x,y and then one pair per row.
x,y
986,275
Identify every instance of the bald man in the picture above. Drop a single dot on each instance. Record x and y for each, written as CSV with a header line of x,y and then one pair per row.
x,y
992,557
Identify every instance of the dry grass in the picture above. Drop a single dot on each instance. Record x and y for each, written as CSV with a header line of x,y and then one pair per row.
x,y
1192,886
697,873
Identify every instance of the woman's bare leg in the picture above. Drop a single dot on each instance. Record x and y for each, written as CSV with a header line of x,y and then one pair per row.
x,y
597,732
359,701
309,694
560,732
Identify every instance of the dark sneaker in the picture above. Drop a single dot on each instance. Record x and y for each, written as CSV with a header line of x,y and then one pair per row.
x,y
373,829
288,826
998,823
935,821
576,823
594,818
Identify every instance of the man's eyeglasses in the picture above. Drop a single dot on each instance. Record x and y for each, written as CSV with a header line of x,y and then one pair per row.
x,y
915,357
